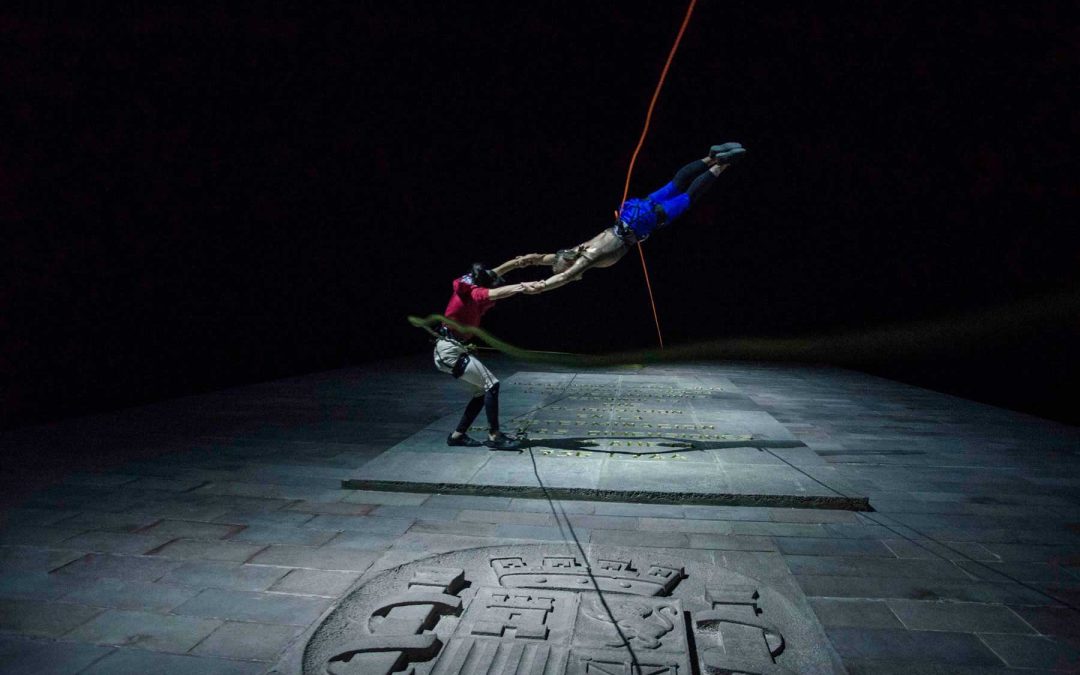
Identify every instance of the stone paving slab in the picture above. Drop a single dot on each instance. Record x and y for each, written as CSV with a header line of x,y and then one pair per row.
x,y
626,438
968,562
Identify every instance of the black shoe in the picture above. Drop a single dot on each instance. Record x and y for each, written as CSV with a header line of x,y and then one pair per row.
x,y
463,440
727,153
503,442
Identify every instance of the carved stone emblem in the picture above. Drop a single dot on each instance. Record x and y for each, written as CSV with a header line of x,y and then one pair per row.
x,y
544,610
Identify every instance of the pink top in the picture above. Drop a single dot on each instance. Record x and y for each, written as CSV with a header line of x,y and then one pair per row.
x,y
468,304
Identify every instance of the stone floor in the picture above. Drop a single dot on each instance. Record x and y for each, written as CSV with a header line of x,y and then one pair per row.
x,y
212,534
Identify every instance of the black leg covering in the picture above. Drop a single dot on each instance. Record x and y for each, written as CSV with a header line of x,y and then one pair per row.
x,y
471,411
700,186
491,407
688,173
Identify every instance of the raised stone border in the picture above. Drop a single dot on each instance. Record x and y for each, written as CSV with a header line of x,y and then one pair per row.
x,y
838,502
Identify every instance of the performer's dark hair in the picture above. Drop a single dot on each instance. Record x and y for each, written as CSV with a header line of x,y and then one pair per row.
x,y
484,277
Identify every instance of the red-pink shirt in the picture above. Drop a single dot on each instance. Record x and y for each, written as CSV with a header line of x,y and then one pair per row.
x,y
468,304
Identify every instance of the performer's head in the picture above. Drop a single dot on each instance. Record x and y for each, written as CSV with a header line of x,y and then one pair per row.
x,y
481,276
564,259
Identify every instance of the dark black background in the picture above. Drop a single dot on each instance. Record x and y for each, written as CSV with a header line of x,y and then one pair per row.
x,y
194,198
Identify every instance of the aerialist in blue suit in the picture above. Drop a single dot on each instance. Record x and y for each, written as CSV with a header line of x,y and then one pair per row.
x,y
638,219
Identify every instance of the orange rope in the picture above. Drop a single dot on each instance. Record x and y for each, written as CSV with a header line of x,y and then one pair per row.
x,y
641,141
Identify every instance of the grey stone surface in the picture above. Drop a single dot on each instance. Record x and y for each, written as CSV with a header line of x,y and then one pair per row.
x,y
665,440
854,612
958,616
274,608
973,533
891,644
247,641
216,574
316,582
1035,651
139,662
20,656
553,608
120,594
49,619
144,630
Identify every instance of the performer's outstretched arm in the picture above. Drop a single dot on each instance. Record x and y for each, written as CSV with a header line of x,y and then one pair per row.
x,y
527,260
503,292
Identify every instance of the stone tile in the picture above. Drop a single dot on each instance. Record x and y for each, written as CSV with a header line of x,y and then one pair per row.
x,y
1033,651
115,542
820,516
331,508
186,529
48,619
316,582
316,558
854,612
1018,572
20,656
272,608
673,525
963,617
144,630
553,506
513,517
779,529
35,559
215,574
540,532
369,524
920,589
457,527
833,547
37,535
423,512
120,594
947,550
373,497
753,513
889,644
634,538
35,585
140,662
247,641
192,549
110,522
463,502
1057,621
135,568
280,517
725,542
361,541
874,567
284,534
923,667
26,517
264,490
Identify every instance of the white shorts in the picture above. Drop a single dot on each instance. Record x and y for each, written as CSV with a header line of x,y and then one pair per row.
x,y
476,375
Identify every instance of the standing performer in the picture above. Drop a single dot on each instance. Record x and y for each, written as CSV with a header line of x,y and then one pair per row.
x,y
638,219
474,294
